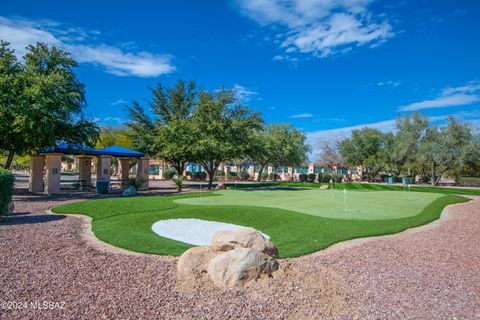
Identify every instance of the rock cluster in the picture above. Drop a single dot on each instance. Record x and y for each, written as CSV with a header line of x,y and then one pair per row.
x,y
233,259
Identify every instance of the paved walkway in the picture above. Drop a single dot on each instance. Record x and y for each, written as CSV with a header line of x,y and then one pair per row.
x,y
429,272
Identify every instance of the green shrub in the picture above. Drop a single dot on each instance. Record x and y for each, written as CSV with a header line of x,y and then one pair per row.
x,y
135,182
178,183
6,190
337,178
303,177
264,175
199,176
220,173
169,173
233,173
311,177
324,177
244,175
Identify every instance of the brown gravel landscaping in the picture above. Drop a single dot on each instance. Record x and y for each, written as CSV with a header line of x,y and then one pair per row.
x,y
423,273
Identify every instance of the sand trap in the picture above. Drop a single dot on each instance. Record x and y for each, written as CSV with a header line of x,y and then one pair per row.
x,y
192,231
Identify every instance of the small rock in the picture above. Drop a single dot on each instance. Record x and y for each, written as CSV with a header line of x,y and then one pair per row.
x,y
244,238
194,261
130,191
237,267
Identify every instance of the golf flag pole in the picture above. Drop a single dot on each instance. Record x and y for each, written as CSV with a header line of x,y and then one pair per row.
x,y
345,199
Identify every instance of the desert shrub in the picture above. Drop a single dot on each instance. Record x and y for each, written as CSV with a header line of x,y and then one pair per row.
x,y
169,173
324,178
178,183
220,173
337,178
135,182
303,177
311,177
199,176
233,173
244,175
264,175
6,190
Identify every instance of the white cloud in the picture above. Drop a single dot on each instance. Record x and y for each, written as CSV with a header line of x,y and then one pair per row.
x,y
118,101
319,27
21,32
449,97
389,83
243,93
301,116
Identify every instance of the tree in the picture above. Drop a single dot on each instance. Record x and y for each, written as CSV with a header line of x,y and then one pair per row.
x,y
330,156
111,136
410,132
366,147
441,149
10,102
49,101
223,130
169,134
279,145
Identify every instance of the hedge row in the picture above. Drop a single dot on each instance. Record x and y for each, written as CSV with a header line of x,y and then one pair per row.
x,y
6,190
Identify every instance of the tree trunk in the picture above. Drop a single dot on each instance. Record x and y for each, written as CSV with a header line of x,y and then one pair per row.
x,y
260,172
9,161
433,178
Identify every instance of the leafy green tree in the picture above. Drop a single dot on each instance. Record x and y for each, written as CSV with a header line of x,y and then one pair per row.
x,y
112,136
410,132
169,134
49,102
223,130
278,145
442,148
366,147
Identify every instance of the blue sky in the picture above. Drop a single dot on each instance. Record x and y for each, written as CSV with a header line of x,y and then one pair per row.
x,y
325,66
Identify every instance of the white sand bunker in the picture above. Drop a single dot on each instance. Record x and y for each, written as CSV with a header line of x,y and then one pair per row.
x,y
192,231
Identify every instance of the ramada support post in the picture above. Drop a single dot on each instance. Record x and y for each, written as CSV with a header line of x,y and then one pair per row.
x,y
142,172
85,170
124,170
53,164
104,164
35,182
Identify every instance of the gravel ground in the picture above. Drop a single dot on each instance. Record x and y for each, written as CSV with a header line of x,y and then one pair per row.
x,y
425,273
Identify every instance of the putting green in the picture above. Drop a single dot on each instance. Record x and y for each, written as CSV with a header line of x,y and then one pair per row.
x,y
361,205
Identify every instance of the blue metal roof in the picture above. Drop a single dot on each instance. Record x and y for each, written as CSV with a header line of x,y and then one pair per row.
x,y
117,151
77,149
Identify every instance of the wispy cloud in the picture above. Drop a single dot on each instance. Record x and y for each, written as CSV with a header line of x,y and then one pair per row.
x,y
318,27
84,46
389,83
301,116
449,97
243,93
118,101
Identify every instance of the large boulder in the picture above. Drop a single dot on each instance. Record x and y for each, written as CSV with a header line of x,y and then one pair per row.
x,y
130,191
194,262
236,267
243,238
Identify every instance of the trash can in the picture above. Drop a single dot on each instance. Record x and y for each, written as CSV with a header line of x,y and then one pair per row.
x,y
388,180
102,187
406,180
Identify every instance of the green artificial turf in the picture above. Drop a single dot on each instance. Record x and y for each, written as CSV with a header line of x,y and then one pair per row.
x,y
126,222
358,186
326,203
